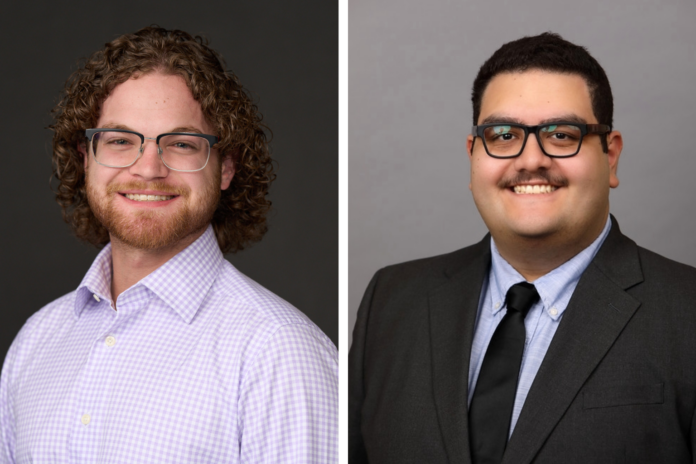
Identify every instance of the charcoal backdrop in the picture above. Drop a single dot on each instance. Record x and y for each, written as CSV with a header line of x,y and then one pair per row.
x,y
285,53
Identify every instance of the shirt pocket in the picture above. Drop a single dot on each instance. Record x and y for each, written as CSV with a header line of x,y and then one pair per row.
x,y
624,395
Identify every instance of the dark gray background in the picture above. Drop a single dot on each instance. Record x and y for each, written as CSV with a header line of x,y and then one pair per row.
x,y
285,53
412,64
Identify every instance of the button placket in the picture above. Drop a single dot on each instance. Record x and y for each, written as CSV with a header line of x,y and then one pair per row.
x,y
96,383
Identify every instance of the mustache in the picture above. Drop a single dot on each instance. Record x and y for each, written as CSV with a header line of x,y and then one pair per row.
x,y
527,177
157,185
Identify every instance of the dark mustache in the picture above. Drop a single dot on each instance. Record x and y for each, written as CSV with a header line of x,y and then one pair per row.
x,y
524,177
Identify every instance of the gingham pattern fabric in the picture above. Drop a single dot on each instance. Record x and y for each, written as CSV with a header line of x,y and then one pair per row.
x,y
199,364
555,290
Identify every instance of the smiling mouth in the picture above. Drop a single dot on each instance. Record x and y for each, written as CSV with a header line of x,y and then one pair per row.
x,y
533,189
139,197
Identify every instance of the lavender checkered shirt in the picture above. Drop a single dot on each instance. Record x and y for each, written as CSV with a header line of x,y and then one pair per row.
x,y
200,364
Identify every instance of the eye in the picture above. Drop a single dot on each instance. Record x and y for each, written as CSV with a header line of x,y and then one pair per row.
x,y
562,133
182,145
117,139
118,142
502,133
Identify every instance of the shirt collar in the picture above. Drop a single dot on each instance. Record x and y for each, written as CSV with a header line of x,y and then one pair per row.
x,y
183,282
555,288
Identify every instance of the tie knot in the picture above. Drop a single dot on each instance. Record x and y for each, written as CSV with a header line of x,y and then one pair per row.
x,y
521,297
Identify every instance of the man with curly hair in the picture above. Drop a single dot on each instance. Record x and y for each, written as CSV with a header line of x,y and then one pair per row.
x,y
165,352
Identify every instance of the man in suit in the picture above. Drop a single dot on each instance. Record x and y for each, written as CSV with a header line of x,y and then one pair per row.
x,y
604,369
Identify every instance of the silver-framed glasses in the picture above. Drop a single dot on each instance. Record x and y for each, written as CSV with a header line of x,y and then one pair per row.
x,y
179,151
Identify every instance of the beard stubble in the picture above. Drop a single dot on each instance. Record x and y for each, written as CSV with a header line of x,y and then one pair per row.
x,y
148,229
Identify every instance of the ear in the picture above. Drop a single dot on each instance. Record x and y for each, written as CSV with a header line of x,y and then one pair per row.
x,y
227,172
82,149
469,145
469,149
614,145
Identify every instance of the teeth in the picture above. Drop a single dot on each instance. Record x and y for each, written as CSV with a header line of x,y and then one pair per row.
x,y
138,197
534,189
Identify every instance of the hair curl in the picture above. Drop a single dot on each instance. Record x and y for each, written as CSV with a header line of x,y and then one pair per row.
x,y
240,218
548,52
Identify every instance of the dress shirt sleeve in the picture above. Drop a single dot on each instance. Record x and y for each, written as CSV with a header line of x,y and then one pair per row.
x,y
288,405
7,424
356,445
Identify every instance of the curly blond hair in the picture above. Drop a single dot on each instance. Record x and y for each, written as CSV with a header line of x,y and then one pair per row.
x,y
240,218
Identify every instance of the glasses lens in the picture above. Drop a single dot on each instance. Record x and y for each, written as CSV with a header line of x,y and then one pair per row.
x,y
116,149
504,141
184,152
560,140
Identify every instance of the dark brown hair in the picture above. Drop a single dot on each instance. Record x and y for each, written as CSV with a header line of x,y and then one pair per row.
x,y
548,52
240,218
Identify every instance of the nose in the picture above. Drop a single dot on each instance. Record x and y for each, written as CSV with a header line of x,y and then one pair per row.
x,y
149,165
532,157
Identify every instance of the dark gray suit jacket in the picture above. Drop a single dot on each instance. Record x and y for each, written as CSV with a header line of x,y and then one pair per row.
x,y
617,385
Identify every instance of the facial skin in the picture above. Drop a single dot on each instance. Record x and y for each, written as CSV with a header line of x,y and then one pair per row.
x,y
536,233
154,104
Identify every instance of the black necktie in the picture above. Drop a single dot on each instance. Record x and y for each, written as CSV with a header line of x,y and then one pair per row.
x,y
494,395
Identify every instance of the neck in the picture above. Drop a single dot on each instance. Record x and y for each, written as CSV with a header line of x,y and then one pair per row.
x,y
534,257
129,265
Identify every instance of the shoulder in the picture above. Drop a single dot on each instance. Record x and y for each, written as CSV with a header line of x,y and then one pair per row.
x,y
395,304
658,267
649,277
431,270
49,317
422,274
40,325
265,318
667,279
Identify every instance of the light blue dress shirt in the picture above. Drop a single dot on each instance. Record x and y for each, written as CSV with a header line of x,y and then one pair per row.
x,y
555,290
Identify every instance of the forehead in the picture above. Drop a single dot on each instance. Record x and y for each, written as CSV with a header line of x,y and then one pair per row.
x,y
151,103
533,96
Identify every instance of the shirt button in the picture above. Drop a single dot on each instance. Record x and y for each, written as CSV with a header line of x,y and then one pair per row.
x,y
497,305
553,311
110,341
96,298
85,419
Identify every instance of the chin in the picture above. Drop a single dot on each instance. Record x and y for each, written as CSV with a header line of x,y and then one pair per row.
x,y
154,230
533,229
150,232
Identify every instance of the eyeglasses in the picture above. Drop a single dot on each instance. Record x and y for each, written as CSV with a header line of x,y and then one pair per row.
x,y
179,151
557,140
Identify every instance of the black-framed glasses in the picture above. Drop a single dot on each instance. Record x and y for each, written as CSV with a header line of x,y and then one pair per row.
x,y
179,151
557,140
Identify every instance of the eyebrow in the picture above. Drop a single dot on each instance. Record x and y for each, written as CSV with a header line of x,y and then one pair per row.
x,y
502,119
187,129
116,126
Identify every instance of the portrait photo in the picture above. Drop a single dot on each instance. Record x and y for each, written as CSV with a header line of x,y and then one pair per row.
x,y
412,66
171,232
521,251
286,58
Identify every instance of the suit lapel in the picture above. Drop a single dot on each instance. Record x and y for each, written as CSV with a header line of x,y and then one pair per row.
x,y
452,314
596,315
